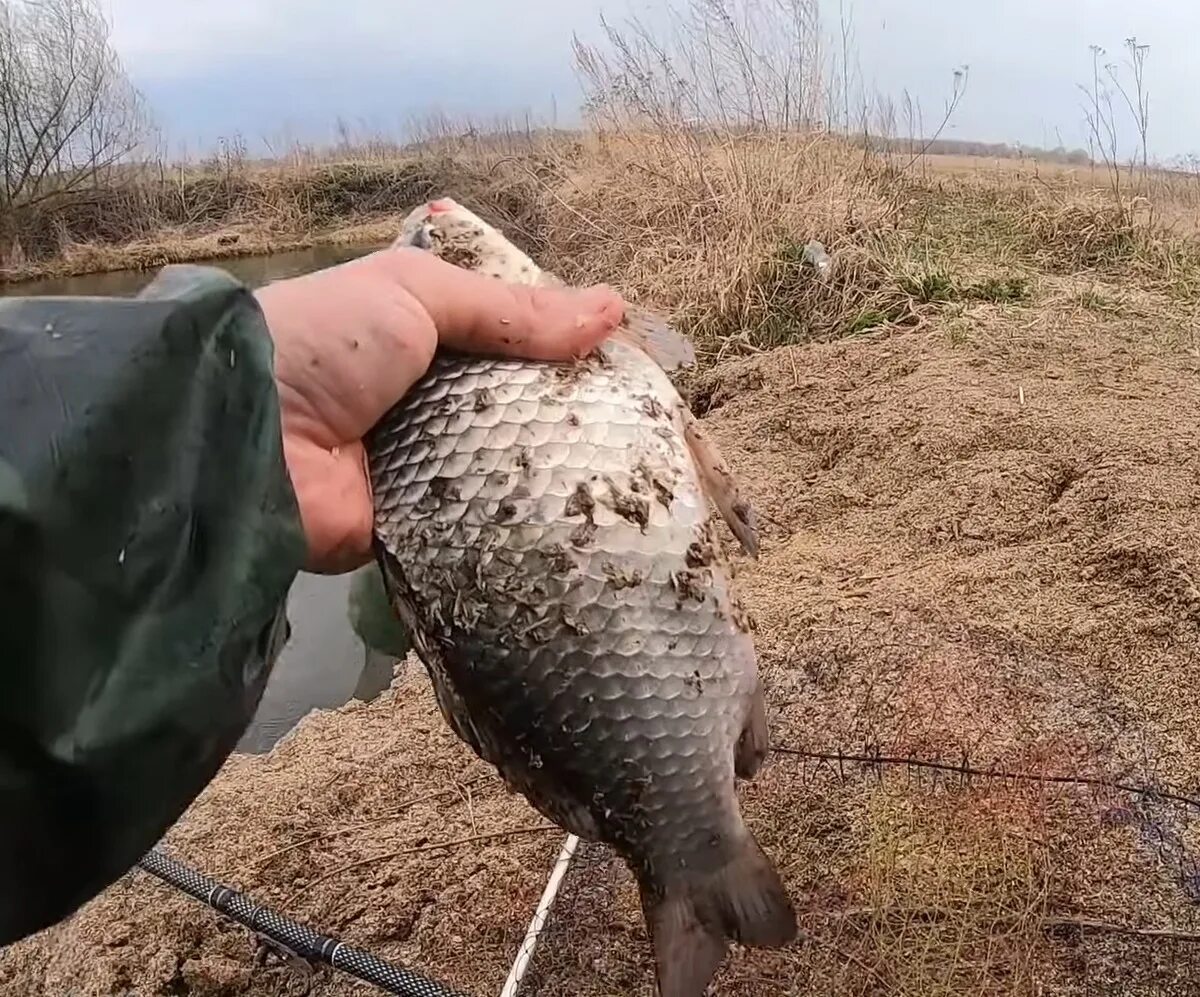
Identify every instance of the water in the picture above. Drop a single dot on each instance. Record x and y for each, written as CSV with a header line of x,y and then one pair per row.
x,y
324,664
253,270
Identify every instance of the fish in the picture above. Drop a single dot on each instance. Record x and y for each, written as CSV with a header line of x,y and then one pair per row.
x,y
546,534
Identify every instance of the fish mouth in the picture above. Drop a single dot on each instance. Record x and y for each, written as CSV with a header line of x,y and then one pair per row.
x,y
418,226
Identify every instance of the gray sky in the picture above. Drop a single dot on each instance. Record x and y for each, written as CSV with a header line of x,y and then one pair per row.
x,y
279,69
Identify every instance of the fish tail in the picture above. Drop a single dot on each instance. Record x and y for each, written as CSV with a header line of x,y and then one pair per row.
x,y
693,917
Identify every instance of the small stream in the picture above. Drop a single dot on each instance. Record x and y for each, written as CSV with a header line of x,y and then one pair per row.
x,y
324,664
253,270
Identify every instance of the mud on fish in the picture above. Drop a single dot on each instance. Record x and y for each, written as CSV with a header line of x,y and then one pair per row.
x,y
545,534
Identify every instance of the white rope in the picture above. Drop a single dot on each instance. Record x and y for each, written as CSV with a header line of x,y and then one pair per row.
x,y
525,953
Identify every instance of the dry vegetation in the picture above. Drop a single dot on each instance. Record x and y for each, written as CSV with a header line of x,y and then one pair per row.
x,y
973,444
979,577
721,146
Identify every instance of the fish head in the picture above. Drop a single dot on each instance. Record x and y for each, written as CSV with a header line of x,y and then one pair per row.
x,y
458,235
443,216
453,232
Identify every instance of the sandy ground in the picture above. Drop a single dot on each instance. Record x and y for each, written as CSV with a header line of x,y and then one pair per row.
x,y
980,546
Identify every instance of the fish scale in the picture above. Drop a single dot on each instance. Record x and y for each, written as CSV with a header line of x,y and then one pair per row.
x,y
544,533
580,643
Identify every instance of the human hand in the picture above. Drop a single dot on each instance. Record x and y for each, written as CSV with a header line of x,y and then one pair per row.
x,y
351,340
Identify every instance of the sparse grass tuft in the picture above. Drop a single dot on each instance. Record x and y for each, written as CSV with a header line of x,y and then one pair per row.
x,y
999,290
929,287
937,286
954,892
866,321
1094,300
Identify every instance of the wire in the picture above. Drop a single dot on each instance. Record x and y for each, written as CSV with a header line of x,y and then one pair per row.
x,y
525,952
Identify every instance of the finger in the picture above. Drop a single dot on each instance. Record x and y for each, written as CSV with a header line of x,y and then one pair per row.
x,y
478,314
334,496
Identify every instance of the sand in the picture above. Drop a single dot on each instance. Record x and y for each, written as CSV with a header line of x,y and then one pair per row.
x,y
979,546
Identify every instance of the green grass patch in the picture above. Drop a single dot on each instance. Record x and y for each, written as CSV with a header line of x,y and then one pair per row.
x,y
938,286
866,320
930,287
1000,290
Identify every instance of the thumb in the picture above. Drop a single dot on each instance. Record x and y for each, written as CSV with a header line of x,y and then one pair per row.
x,y
482,315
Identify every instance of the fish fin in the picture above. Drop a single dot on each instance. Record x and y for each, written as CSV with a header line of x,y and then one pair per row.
x,y
720,484
755,742
472,724
654,335
692,919
687,953
454,711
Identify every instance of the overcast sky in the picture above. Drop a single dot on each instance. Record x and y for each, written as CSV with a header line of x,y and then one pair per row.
x,y
287,68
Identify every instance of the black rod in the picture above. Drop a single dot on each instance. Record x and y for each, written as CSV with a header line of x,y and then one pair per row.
x,y
290,935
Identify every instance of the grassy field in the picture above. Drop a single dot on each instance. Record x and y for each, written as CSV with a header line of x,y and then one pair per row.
x,y
546,185
973,443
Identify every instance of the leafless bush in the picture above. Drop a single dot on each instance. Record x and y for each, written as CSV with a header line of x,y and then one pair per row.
x,y
751,65
1103,123
70,113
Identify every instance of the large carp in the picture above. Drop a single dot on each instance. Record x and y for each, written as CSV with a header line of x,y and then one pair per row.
x,y
545,535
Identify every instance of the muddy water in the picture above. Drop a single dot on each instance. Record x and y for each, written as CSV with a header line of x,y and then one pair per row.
x,y
324,664
254,270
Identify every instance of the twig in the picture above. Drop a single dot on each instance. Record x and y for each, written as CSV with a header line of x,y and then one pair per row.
x,y
392,815
464,791
960,85
795,373
495,835
1085,924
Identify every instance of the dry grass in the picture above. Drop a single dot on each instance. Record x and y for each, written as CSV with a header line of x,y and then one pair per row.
x,y
717,232
972,445
147,218
979,530
711,226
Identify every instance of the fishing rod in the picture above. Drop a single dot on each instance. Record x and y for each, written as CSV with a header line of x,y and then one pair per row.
x,y
290,935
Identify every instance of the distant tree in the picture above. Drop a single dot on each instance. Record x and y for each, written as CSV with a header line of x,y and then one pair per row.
x,y
68,111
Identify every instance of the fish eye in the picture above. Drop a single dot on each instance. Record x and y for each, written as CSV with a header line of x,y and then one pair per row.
x,y
423,237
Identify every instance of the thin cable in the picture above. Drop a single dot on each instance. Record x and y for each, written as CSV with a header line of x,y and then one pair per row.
x,y
967,772
525,952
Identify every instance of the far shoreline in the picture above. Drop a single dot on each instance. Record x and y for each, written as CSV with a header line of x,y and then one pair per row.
x,y
213,247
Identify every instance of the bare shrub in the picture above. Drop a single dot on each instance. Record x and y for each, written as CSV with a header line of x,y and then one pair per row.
x,y
70,113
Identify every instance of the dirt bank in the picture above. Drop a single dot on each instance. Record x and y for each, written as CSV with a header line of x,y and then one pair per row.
x,y
980,544
144,217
